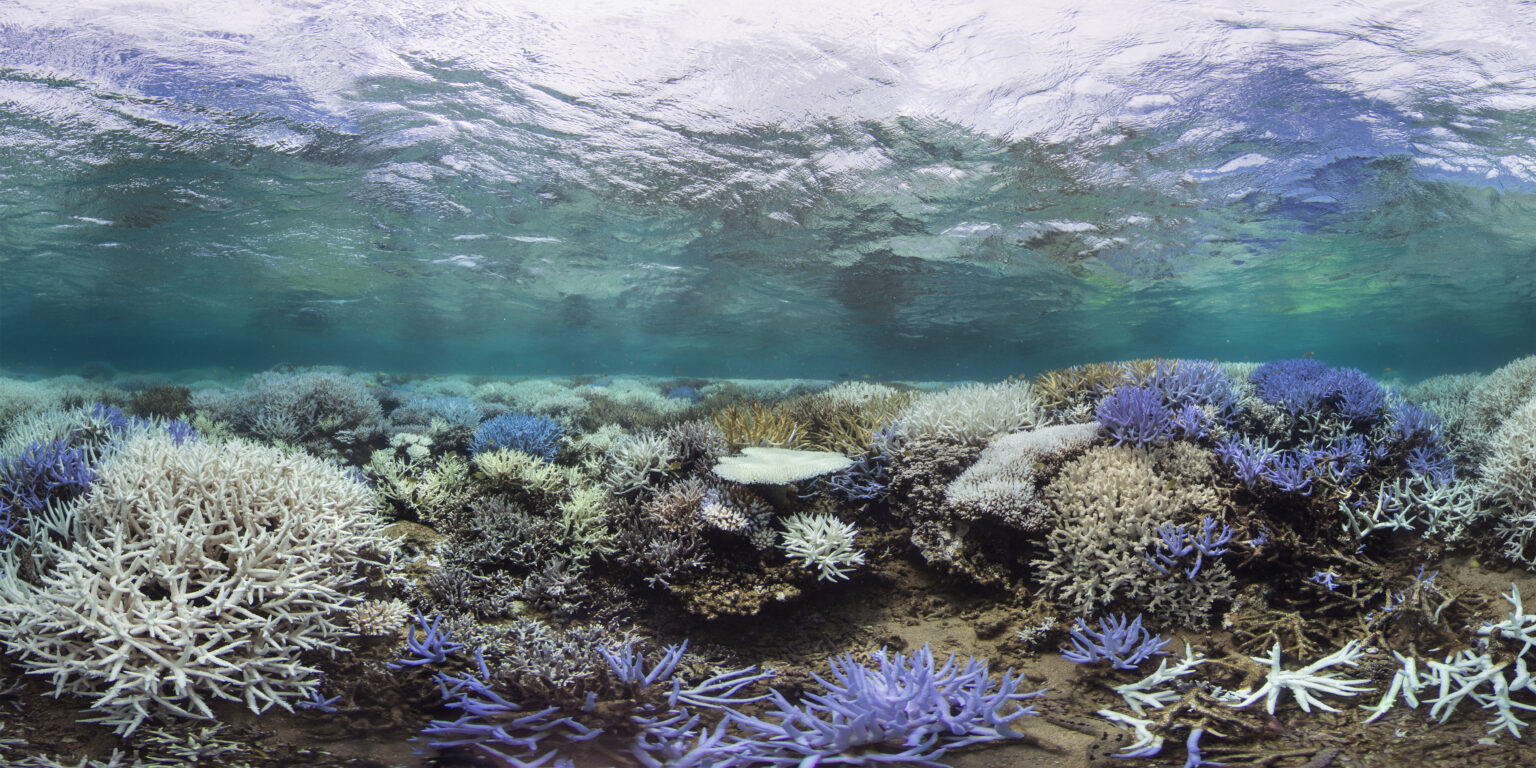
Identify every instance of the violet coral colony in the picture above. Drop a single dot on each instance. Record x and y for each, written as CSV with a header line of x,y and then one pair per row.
x,y
1119,640
904,710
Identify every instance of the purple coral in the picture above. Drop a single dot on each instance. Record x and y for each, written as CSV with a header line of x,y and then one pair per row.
x,y
1193,383
1305,386
905,711
1413,425
1121,641
1430,461
1175,544
496,727
1291,472
432,647
42,473
1135,415
1248,460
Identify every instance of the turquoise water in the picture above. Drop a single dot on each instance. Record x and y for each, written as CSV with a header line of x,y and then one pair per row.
x,y
958,191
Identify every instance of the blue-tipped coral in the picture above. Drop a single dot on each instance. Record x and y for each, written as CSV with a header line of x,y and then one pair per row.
x,y
432,647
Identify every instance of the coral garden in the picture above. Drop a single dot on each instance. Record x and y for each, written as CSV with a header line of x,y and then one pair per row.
x,y
1151,562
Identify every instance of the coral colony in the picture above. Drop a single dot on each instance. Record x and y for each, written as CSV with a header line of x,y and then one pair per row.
x,y
518,566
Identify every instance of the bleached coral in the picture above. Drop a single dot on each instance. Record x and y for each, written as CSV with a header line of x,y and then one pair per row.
x,y
822,542
1106,508
195,572
971,413
1499,394
779,466
1309,681
20,399
858,392
633,460
380,618
550,397
1001,484
1508,483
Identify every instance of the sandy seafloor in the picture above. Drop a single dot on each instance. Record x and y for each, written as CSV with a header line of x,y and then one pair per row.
x,y
979,600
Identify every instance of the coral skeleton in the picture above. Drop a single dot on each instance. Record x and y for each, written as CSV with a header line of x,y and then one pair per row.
x,y
1142,694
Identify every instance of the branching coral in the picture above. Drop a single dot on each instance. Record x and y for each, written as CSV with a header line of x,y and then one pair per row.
x,y
1107,508
1001,484
1508,483
536,435
756,424
971,413
200,572
822,542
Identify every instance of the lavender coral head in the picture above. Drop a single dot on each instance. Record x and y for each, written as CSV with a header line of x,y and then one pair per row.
x,y
1412,424
905,711
1248,460
1135,415
1307,386
1191,383
1122,642
536,435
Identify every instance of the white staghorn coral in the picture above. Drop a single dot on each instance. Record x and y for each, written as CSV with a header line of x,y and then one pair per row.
x,y
822,542
192,573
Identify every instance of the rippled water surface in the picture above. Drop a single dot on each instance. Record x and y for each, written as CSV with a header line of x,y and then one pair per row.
x,y
935,190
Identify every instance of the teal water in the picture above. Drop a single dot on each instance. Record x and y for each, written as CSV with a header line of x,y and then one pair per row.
x,y
955,191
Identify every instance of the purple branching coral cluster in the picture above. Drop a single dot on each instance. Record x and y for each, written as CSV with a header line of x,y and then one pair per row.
x,y
903,710
432,647
497,728
44,473
1175,546
1190,384
1304,386
1135,416
1121,641
1178,399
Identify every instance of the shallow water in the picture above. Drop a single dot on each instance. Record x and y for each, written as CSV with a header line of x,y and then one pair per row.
x,y
966,190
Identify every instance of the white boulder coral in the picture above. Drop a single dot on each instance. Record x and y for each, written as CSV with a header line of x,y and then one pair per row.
x,y
190,573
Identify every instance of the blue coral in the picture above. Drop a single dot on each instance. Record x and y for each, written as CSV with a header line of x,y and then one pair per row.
x,y
1135,416
1195,383
1122,642
43,473
904,711
1305,386
536,435
1248,460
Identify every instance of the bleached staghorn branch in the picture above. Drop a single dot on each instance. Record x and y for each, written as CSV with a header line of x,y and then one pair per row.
x,y
1140,694
1147,744
1307,681
1520,626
